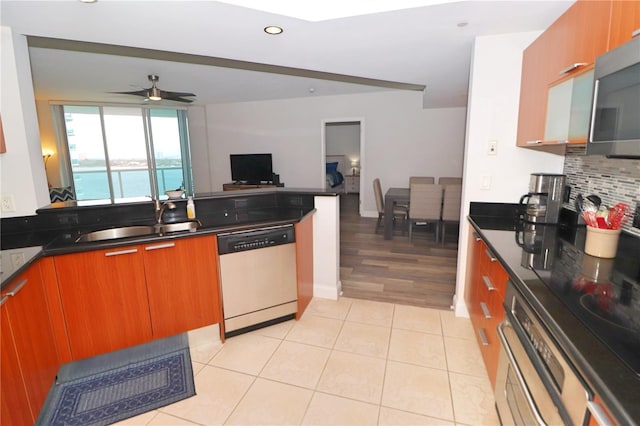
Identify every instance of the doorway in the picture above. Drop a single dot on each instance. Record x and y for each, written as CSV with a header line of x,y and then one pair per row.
x,y
344,138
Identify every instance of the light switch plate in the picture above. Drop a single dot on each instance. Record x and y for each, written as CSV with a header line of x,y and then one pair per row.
x,y
492,148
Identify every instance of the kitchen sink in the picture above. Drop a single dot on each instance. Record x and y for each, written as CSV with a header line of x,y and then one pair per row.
x,y
191,225
115,233
137,231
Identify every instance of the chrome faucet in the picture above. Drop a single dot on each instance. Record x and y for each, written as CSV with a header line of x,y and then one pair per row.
x,y
160,208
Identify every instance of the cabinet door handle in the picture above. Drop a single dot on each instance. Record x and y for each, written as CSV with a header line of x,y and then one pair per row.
x,y
563,141
160,246
598,413
488,283
485,310
3,299
119,252
572,67
483,337
490,255
476,236
16,288
635,33
536,142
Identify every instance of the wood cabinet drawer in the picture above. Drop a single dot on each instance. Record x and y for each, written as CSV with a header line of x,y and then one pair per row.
x,y
485,301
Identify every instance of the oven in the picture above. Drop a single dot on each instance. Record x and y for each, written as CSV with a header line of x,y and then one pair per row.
x,y
535,384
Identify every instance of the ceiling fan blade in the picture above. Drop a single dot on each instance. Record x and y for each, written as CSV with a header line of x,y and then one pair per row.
x,y
177,98
143,92
167,93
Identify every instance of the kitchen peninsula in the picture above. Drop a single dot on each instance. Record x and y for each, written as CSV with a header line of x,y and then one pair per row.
x,y
96,297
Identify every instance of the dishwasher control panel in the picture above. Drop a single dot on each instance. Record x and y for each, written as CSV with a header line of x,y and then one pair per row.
x,y
234,242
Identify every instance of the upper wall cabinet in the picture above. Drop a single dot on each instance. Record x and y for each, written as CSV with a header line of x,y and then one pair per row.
x,y
568,109
563,52
578,37
625,21
533,91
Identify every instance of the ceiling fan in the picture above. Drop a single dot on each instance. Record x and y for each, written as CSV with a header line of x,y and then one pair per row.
x,y
155,94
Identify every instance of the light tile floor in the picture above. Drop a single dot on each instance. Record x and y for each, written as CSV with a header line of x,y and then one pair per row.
x,y
346,362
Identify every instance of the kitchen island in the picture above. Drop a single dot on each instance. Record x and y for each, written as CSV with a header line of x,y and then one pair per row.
x,y
607,377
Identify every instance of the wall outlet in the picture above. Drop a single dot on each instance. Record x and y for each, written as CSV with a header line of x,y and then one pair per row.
x,y
17,259
8,204
492,148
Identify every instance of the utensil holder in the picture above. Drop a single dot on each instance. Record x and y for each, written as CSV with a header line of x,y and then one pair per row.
x,y
601,242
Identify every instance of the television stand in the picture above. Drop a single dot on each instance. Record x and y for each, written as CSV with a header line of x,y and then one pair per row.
x,y
234,186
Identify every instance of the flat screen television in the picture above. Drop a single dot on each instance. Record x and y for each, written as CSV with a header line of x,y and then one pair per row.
x,y
251,168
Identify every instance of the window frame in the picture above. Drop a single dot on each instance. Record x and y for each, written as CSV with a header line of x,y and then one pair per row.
x,y
62,143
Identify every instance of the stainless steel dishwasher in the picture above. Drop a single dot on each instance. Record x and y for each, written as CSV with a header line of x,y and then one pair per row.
x,y
258,277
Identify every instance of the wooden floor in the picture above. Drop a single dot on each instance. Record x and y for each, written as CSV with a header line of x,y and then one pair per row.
x,y
419,273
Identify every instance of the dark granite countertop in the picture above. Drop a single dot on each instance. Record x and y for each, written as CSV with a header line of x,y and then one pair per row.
x,y
55,228
605,374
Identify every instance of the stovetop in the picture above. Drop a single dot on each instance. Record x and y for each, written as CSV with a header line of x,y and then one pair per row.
x,y
603,293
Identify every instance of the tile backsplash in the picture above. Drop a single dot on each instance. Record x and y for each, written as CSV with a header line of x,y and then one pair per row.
x,y
614,180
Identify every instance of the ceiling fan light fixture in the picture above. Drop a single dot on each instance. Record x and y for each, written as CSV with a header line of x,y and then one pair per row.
x,y
154,94
273,30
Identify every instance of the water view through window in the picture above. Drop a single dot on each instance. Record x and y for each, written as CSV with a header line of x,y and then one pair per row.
x,y
124,152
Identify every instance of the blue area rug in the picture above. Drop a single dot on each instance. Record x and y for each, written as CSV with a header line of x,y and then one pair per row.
x,y
108,388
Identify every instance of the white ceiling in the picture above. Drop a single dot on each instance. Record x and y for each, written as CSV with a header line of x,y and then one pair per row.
x,y
419,46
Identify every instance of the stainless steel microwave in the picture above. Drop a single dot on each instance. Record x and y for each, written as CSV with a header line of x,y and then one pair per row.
x,y
614,128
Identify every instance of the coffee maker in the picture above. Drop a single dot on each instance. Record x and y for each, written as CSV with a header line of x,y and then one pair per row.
x,y
542,204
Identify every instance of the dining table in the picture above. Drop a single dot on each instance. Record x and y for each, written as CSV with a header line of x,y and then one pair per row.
x,y
391,197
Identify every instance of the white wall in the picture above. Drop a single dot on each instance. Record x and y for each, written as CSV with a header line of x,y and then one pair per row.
x,y
494,93
400,138
21,167
326,248
343,139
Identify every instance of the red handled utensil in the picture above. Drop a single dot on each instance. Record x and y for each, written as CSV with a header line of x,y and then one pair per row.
x,y
618,215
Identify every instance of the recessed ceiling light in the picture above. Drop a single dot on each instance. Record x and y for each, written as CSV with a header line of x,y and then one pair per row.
x,y
88,1
273,30
463,24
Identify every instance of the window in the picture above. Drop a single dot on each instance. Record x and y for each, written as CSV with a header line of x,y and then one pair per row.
x,y
120,152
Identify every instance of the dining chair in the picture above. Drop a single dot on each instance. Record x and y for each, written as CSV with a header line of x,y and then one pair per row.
x,y
450,180
421,179
399,212
417,179
425,201
451,207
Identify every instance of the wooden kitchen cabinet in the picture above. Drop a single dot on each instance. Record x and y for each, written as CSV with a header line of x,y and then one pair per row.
x,y
104,297
625,20
569,46
578,36
28,352
304,263
485,302
116,298
182,284
535,79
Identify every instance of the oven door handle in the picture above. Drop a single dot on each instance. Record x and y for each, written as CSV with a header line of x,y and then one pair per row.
x,y
516,369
